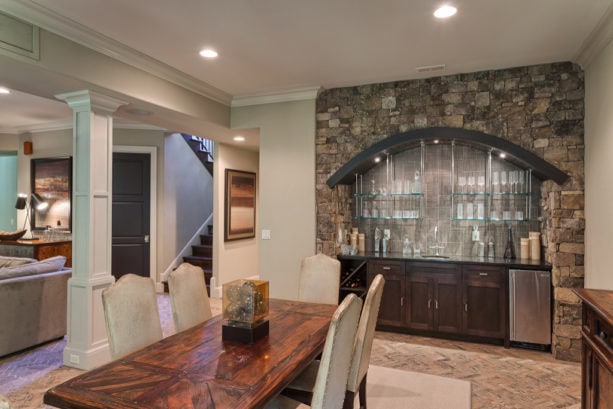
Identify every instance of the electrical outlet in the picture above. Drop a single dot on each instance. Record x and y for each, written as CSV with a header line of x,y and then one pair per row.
x,y
265,234
74,358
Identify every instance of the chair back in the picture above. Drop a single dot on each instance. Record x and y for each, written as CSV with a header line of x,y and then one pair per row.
x,y
320,278
4,403
365,334
330,385
188,296
131,315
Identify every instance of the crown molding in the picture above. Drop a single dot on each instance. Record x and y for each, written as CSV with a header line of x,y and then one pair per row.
x,y
598,39
47,19
67,124
298,94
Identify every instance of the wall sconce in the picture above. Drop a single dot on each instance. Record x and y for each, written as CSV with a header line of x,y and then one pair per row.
x,y
23,202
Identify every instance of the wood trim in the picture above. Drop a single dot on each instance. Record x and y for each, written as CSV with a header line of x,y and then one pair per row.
x,y
365,160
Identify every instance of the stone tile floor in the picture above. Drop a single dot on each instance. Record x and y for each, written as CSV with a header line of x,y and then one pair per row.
x,y
501,378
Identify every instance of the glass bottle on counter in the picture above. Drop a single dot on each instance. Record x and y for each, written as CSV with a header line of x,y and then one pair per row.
x,y
509,251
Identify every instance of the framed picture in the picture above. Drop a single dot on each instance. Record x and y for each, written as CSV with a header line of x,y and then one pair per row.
x,y
52,182
239,205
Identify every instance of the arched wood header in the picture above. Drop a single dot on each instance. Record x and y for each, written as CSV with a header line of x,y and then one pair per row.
x,y
365,160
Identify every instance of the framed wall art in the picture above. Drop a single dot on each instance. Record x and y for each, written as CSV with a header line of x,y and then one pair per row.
x,y
239,216
52,181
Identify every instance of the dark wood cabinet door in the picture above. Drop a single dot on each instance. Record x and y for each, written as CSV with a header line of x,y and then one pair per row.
x,y
420,301
484,301
391,311
447,302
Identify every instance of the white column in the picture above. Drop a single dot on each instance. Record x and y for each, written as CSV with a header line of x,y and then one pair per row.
x,y
92,198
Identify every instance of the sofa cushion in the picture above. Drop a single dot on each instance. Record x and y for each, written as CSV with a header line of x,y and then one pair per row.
x,y
15,261
44,266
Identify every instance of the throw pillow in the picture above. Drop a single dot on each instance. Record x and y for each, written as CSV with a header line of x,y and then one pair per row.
x,y
44,266
15,261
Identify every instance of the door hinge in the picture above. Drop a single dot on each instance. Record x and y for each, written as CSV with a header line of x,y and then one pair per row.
x,y
146,238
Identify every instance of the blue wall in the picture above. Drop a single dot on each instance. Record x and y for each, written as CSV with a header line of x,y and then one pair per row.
x,y
8,191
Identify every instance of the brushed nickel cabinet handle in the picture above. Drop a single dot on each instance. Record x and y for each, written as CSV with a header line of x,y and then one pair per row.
x,y
387,268
429,302
401,301
436,304
483,274
466,307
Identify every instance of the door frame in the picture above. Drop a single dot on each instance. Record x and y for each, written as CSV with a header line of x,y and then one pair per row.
x,y
152,152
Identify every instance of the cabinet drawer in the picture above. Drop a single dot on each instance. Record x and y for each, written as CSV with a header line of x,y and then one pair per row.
x,y
383,267
484,273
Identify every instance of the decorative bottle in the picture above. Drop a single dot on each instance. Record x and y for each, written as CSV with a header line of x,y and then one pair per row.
x,y
509,251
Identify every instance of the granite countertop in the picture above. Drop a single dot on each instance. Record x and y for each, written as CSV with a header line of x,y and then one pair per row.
x,y
499,261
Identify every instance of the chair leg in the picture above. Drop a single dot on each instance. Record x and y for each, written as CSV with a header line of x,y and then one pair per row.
x,y
362,392
349,399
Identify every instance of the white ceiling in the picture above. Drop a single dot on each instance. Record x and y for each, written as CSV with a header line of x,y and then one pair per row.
x,y
21,112
271,46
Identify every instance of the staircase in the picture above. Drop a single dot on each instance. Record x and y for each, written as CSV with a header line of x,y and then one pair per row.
x,y
203,148
202,255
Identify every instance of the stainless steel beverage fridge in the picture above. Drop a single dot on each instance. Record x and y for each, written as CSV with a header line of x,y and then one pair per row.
x,y
530,309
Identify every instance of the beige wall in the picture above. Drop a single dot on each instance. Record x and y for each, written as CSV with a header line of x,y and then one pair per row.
x,y
239,258
598,170
9,142
287,188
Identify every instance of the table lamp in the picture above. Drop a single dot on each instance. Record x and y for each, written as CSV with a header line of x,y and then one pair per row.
x,y
23,202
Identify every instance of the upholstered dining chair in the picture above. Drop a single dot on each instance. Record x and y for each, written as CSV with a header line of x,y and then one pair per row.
x,y
356,383
4,403
320,278
131,315
189,299
329,389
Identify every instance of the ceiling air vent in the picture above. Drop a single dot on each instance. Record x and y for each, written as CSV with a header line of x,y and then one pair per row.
x,y
431,68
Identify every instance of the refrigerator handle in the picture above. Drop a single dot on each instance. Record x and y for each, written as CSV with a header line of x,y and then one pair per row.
x,y
512,302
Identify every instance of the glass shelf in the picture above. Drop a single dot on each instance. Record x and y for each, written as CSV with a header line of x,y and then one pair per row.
x,y
509,194
388,194
469,220
386,218
481,194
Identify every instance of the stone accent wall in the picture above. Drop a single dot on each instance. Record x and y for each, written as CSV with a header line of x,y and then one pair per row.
x,y
540,108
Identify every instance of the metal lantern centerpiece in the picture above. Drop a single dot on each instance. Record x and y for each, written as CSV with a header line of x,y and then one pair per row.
x,y
245,307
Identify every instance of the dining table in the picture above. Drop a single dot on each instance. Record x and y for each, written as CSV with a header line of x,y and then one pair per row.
x,y
196,368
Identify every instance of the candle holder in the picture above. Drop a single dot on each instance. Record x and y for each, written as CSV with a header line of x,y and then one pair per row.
x,y
245,308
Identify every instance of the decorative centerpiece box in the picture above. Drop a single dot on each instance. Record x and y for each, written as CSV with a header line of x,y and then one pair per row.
x,y
245,308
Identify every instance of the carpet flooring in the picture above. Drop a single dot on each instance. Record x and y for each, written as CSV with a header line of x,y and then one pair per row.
x,y
500,378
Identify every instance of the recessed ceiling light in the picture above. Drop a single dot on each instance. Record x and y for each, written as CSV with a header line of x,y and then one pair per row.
x,y
208,53
4,90
435,141
445,11
503,155
239,138
138,111
377,160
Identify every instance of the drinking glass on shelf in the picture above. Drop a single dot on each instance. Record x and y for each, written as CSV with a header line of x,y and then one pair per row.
x,y
462,183
513,181
460,213
520,181
469,210
495,181
471,184
503,181
481,183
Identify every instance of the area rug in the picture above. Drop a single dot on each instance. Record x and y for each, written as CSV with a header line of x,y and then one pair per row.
x,y
396,389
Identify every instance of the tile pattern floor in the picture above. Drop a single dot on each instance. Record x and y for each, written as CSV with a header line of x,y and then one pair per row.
x,y
501,378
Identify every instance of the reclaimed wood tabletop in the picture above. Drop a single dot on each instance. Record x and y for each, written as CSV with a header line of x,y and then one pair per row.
x,y
197,369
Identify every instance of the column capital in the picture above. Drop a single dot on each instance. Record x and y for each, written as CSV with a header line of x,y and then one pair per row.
x,y
86,100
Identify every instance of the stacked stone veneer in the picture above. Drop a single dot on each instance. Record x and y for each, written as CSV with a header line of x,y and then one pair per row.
x,y
540,108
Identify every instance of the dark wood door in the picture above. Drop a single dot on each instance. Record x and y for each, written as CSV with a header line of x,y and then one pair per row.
x,y
131,195
484,301
420,301
448,301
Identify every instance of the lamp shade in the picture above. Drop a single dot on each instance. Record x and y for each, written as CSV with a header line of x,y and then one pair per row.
x,y
20,204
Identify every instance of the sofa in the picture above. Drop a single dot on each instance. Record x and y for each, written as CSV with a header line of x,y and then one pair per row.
x,y
33,301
